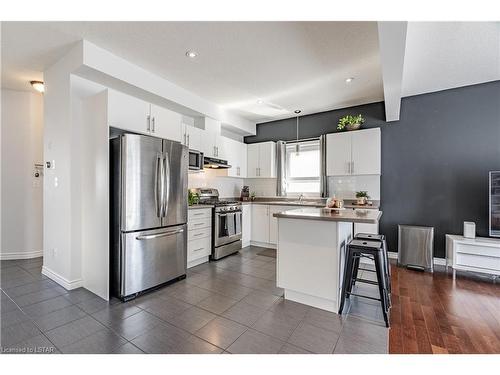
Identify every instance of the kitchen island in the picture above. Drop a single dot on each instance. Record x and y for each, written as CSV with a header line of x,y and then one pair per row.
x,y
310,252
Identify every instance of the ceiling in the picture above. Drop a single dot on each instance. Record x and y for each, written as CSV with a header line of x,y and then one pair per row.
x,y
265,70
444,55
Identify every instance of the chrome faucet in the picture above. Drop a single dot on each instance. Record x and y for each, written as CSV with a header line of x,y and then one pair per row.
x,y
301,196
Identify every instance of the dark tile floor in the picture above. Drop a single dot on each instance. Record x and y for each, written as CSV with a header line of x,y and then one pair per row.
x,y
229,306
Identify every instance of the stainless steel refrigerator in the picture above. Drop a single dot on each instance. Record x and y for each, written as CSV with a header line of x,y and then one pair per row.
x,y
148,195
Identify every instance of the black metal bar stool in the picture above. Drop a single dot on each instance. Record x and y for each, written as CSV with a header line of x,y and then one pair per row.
x,y
365,248
387,265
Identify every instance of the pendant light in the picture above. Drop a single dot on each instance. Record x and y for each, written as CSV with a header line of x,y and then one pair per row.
x,y
297,146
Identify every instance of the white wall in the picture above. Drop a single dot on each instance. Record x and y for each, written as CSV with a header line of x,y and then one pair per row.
x,y
229,187
22,193
61,245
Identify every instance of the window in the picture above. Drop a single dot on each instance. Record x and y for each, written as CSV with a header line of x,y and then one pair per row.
x,y
302,169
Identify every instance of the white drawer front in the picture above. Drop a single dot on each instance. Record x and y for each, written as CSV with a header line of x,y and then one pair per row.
x,y
205,222
199,213
478,261
478,250
199,248
199,233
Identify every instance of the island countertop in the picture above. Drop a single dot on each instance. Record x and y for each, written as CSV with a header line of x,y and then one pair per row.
x,y
369,216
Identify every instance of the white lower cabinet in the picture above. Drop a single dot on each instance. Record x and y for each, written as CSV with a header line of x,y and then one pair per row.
x,y
264,225
260,223
199,236
246,227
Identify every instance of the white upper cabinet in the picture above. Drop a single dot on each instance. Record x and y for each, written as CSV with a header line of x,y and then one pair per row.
x,y
366,152
252,159
193,137
338,154
211,145
236,155
354,153
166,123
261,160
128,113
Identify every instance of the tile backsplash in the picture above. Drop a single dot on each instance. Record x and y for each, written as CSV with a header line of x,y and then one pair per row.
x,y
211,178
263,187
345,187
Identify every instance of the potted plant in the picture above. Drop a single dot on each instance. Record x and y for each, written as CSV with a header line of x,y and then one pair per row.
x,y
361,197
350,122
193,198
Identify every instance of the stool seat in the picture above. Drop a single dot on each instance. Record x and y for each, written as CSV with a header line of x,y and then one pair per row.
x,y
366,244
369,236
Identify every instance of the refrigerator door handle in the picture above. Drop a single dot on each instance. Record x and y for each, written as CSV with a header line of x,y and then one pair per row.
x,y
153,236
158,185
166,178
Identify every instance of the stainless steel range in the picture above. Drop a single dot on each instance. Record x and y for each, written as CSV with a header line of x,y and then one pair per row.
x,y
226,223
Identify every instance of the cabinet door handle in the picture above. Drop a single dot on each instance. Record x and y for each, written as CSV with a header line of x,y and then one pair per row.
x,y
148,123
352,167
153,125
185,139
197,224
188,141
201,248
198,234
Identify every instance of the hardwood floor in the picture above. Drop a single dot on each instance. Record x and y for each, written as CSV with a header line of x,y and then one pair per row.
x,y
432,313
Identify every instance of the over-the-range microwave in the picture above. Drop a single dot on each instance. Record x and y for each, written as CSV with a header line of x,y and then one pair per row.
x,y
195,160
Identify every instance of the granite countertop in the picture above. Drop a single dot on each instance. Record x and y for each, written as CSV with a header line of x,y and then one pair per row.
x,y
354,216
198,206
351,204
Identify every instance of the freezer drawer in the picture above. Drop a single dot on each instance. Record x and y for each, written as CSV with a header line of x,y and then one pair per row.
x,y
150,258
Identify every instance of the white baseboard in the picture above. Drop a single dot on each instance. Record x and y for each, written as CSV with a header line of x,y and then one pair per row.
x,y
197,262
21,255
65,283
263,244
437,261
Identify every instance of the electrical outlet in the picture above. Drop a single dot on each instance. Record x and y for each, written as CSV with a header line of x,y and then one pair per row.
x,y
54,252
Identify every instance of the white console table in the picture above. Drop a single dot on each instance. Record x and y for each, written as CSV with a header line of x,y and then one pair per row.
x,y
477,255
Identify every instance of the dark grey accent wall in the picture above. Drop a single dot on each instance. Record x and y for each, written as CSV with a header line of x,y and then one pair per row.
x,y
435,160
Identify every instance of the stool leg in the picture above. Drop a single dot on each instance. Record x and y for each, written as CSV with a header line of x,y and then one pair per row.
x,y
387,272
347,278
381,286
388,266
355,268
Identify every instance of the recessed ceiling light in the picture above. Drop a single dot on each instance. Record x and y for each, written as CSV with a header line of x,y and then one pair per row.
x,y
191,54
349,80
260,101
38,86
